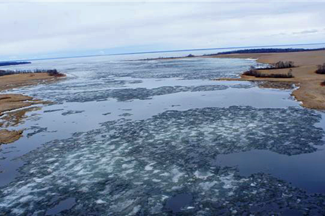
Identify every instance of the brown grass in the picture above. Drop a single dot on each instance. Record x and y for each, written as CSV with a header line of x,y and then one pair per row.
x,y
258,74
310,92
25,79
9,103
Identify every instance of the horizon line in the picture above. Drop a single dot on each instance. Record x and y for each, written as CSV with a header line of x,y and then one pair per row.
x,y
164,51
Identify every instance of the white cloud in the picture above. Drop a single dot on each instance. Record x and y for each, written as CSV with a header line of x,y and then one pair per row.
x,y
42,27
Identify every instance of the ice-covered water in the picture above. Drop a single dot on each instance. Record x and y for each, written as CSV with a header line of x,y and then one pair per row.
x,y
161,138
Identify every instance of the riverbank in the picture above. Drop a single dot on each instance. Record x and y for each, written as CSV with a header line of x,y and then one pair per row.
x,y
13,107
310,92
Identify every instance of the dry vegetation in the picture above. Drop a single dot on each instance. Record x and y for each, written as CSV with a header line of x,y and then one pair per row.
x,y
11,112
52,72
311,91
279,65
321,69
254,72
322,83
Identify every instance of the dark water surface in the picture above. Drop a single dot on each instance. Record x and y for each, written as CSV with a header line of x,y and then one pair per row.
x,y
301,170
162,138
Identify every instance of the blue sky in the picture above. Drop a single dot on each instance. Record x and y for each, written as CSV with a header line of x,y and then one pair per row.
x,y
36,29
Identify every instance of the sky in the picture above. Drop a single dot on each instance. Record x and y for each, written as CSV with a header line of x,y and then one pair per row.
x,y
49,28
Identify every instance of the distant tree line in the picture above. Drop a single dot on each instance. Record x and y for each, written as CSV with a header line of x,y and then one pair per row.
x,y
161,58
13,63
51,72
321,69
266,50
253,72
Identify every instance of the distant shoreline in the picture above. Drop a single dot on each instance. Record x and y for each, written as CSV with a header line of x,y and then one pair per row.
x,y
267,50
9,63
244,51
166,51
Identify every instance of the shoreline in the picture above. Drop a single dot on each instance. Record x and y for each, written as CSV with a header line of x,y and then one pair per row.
x,y
309,93
13,107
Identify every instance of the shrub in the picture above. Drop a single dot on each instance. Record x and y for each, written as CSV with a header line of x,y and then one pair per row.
x,y
52,72
252,72
279,65
321,69
255,73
